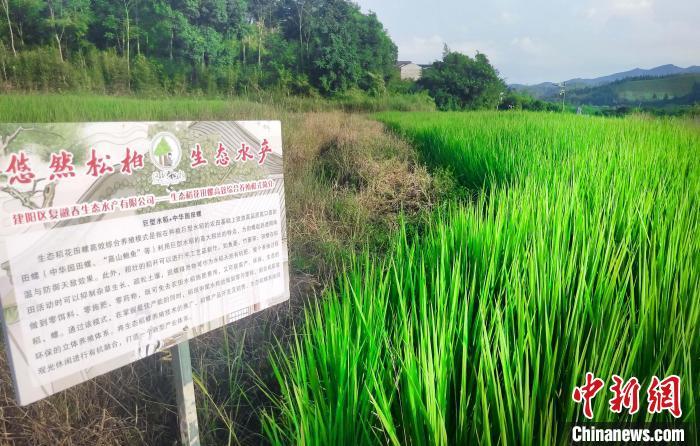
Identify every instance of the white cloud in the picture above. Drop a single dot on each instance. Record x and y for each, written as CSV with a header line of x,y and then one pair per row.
x,y
508,18
422,49
528,45
604,10
631,7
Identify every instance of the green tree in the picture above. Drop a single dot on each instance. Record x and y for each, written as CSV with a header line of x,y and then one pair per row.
x,y
162,150
10,26
298,15
68,21
344,45
377,52
23,19
460,82
212,46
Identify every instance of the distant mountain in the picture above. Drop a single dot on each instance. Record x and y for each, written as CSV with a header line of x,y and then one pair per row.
x,y
647,91
663,70
549,89
673,89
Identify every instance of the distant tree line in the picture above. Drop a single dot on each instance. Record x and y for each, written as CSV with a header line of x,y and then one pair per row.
x,y
514,100
460,82
184,46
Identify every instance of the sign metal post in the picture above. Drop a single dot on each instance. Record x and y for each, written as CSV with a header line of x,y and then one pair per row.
x,y
184,387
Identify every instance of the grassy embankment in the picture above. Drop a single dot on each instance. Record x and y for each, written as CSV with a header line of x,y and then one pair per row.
x,y
75,107
346,179
578,252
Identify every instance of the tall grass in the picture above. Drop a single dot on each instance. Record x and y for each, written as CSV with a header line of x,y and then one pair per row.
x,y
580,252
87,107
72,108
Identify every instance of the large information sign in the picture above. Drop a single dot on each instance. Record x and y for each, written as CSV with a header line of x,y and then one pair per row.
x,y
119,240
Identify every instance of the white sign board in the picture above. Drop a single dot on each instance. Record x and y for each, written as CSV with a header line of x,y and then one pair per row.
x,y
119,240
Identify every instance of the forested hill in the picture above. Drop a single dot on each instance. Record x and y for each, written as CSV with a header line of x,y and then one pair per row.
x,y
179,46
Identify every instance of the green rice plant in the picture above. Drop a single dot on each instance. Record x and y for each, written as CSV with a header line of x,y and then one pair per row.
x,y
89,107
73,107
580,252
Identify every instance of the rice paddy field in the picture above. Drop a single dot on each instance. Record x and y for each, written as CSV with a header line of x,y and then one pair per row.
x,y
534,248
576,249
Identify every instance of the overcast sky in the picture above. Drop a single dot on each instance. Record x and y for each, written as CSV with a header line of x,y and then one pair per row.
x,y
547,40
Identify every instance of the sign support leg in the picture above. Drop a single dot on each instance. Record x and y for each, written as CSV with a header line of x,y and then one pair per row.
x,y
184,387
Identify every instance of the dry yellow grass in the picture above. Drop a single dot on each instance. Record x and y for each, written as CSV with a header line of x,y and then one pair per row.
x,y
348,180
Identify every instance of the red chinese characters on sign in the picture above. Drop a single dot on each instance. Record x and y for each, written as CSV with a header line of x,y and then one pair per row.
x,y
197,157
626,395
587,392
98,166
132,161
665,395
222,157
19,170
264,150
61,165
244,153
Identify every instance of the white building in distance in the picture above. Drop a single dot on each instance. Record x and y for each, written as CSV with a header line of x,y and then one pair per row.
x,y
409,70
